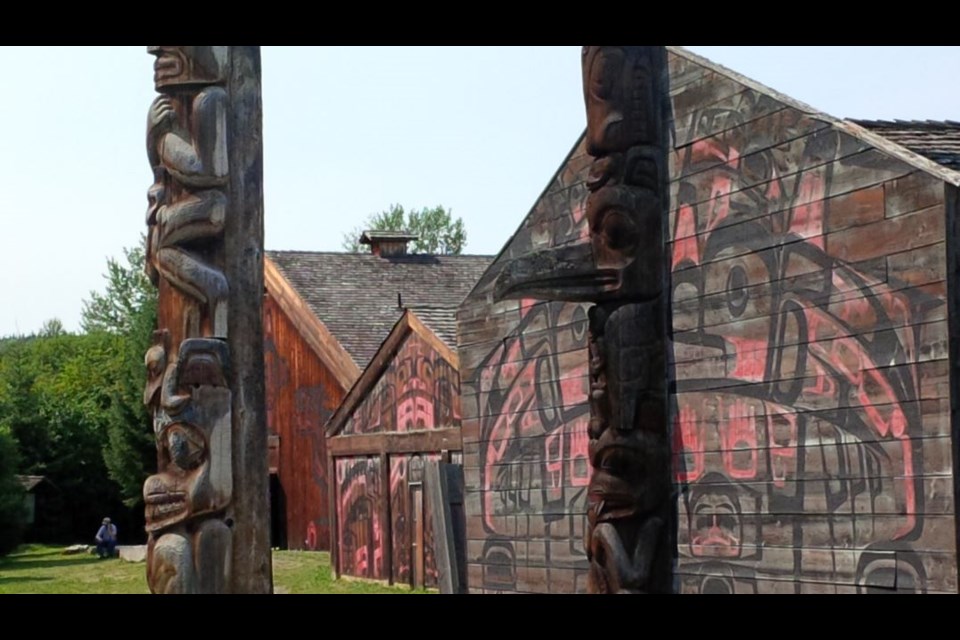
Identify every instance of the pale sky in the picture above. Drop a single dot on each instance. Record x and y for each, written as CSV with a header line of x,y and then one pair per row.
x,y
347,132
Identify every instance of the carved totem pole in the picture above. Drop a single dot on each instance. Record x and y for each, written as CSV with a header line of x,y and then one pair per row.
x,y
207,508
629,537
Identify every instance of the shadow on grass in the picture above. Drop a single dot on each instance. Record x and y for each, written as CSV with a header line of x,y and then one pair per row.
x,y
12,579
32,551
14,564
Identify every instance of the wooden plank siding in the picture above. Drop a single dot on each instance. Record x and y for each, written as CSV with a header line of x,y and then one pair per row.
x,y
302,393
403,410
803,452
814,444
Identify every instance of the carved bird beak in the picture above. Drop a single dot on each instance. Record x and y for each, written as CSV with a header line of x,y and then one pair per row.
x,y
566,273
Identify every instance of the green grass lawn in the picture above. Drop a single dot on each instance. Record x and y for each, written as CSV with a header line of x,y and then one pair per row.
x,y
44,569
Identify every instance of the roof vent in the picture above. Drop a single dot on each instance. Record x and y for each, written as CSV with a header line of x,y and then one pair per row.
x,y
387,243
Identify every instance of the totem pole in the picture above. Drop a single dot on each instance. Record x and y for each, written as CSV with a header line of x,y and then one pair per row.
x,y
207,507
629,537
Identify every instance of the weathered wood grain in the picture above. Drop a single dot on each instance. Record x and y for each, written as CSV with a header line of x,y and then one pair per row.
x,y
405,442
313,331
301,393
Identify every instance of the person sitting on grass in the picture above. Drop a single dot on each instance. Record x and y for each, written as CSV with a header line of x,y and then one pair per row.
x,y
106,539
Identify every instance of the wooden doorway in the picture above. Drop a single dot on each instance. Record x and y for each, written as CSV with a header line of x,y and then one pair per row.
x,y
417,555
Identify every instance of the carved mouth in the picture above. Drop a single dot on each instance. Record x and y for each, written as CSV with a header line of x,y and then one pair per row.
x,y
166,67
166,497
161,507
613,480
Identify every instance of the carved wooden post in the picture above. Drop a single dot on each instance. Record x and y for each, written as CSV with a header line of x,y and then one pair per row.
x,y
629,538
207,508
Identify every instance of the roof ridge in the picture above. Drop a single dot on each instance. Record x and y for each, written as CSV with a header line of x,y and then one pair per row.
x,y
940,124
367,253
356,295
431,305
850,127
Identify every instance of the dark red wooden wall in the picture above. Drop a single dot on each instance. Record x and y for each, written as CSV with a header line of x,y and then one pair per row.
x,y
301,395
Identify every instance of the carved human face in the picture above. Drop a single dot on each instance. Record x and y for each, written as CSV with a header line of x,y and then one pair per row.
x,y
193,425
176,66
630,474
156,363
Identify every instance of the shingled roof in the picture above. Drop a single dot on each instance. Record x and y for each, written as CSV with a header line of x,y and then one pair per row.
x,y
359,297
29,483
938,140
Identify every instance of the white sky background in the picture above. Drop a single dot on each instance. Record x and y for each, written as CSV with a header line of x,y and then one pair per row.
x,y
347,132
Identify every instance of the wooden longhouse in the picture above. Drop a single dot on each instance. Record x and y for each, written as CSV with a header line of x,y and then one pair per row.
x,y
326,316
814,297
403,412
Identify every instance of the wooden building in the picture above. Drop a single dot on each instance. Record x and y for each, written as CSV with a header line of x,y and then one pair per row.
x,y
43,506
402,412
812,305
325,317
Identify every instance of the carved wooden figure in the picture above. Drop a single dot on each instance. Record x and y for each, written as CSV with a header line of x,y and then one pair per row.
x,y
629,537
206,511
187,148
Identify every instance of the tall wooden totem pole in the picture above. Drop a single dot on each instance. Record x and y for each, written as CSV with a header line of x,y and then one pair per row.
x,y
207,508
629,536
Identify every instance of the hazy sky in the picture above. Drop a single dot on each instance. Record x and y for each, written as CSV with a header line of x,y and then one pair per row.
x,y
347,132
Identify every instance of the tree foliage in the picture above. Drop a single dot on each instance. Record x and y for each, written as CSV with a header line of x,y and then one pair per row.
x,y
54,392
11,494
73,405
437,231
127,309
127,296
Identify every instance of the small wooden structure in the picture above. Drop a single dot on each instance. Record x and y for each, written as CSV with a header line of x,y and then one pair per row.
x,y
402,414
43,503
326,315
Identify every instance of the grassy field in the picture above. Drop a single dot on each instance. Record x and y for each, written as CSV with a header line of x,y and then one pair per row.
x,y
43,569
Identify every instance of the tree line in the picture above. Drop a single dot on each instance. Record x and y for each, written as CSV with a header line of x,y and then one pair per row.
x,y
71,405
71,410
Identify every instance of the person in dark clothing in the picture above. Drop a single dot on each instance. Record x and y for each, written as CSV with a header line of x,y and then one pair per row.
x,y
106,539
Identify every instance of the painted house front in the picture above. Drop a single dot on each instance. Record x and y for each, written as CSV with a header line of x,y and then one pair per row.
x,y
326,316
403,413
812,306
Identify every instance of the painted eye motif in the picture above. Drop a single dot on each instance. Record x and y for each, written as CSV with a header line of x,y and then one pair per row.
x,y
737,294
185,447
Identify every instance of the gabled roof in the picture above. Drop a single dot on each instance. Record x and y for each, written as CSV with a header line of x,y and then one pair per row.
x,y
308,325
876,139
938,140
505,249
368,237
29,483
407,324
359,297
441,319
